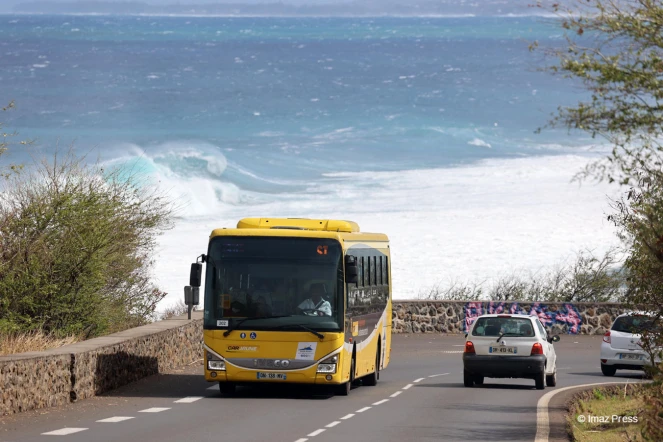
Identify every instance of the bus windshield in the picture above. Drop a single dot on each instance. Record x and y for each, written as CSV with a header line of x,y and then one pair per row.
x,y
277,283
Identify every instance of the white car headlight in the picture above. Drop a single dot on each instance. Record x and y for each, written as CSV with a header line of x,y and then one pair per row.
x,y
328,365
215,362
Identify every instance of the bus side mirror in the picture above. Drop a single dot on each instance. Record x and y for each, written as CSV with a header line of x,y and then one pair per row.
x,y
191,295
351,270
196,271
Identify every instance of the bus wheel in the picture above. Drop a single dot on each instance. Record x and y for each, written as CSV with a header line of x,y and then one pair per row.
x,y
372,379
344,389
227,388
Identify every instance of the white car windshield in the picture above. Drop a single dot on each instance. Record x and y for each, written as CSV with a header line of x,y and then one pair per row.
x,y
517,327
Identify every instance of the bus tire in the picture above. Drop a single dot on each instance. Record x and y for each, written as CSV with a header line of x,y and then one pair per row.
x,y
372,379
227,388
344,389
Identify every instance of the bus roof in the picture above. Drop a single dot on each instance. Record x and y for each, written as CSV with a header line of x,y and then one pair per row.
x,y
304,227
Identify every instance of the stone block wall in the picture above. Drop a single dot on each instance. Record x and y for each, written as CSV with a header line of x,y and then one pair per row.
x,y
456,316
31,382
37,380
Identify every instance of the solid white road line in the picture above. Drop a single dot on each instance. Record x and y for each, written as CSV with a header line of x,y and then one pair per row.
x,y
381,402
542,418
188,400
396,394
64,431
347,416
154,410
407,386
419,380
333,424
316,432
361,410
116,419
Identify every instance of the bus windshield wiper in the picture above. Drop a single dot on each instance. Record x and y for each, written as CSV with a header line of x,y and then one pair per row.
x,y
230,329
302,326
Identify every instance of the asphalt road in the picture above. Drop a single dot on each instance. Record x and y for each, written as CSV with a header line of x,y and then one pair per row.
x,y
420,397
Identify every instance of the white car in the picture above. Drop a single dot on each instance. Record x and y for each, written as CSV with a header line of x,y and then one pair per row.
x,y
621,347
509,346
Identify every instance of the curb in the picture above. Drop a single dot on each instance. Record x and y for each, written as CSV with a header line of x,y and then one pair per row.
x,y
543,420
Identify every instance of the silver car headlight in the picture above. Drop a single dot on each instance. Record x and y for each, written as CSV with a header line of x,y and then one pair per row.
x,y
215,362
328,365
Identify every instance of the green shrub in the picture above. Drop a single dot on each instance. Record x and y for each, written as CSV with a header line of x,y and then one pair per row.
x,y
76,246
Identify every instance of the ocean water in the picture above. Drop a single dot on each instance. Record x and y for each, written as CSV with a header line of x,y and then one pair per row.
x,y
421,128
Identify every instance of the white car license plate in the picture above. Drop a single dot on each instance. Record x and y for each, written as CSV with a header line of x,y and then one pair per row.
x,y
504,350
280,376
631,356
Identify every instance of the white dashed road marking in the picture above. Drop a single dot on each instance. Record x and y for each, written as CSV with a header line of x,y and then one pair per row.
x,y
213,387
154,410
116,419
188,400
361,410
64,431
436,375
452,351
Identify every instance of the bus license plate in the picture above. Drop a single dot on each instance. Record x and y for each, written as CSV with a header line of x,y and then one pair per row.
x,y
280,376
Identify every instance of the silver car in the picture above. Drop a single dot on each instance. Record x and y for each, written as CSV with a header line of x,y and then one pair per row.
x,y
622,347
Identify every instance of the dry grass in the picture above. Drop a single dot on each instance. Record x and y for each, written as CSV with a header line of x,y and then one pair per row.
x,y
35,341
624,407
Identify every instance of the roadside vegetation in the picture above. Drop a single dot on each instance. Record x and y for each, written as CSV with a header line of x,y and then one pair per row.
x,y
586,278
615,50
77,244
591,415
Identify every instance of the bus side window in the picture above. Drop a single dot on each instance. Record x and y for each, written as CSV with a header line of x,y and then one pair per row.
x,y
360,277
385,269
379,270
374,272
367,272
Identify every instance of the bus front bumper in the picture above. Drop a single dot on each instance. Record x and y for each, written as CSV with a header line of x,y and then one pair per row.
x,y
304,376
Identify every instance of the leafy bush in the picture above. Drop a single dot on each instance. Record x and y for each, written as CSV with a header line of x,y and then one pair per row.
x,y
76,245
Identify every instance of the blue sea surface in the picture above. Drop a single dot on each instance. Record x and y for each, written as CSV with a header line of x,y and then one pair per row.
x,y
422,128
284,98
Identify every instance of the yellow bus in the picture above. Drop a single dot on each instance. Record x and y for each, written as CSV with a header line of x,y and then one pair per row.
x,y
291,300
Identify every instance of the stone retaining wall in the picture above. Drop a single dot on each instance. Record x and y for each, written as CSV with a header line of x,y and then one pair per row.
x,y
36,380
456,316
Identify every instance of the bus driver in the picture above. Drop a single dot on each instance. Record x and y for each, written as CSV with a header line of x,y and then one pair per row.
x,y
316,305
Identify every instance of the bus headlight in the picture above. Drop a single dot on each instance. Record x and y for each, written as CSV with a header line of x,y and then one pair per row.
x,y
214,362
328,365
